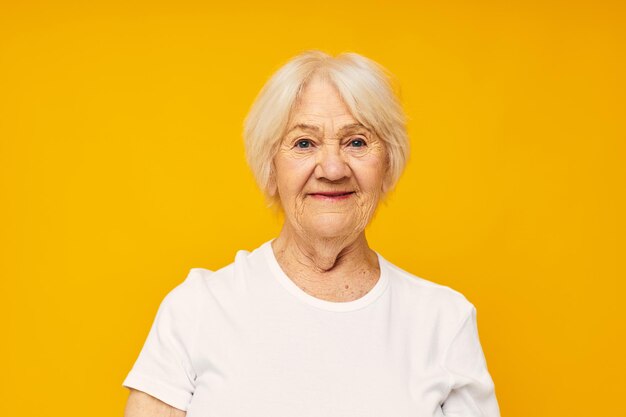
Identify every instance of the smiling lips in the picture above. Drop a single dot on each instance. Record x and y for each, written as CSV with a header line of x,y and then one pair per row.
x,y
332,196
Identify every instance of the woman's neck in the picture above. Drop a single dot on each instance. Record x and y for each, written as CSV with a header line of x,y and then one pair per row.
x,y
331,268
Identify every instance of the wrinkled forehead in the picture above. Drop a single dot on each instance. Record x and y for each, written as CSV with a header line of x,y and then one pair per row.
x,y
318,103
319,131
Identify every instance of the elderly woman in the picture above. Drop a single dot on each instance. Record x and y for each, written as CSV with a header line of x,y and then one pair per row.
x,y
314,322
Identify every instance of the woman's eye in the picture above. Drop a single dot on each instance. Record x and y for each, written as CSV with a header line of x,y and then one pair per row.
x,y
303,143
357,143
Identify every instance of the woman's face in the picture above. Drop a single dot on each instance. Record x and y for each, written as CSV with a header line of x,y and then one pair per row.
x,y
329,170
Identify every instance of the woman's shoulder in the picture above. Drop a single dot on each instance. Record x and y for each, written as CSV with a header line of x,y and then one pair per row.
x,y
197,283
427,293
186,295
202,284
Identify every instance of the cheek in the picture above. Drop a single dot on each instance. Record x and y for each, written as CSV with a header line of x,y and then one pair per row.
x,y
370,174
292,175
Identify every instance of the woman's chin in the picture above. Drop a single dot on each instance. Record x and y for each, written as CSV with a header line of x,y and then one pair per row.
x,y
330,227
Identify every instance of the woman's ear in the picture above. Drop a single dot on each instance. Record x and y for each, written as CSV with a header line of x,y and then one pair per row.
x,y
272,188
386,183
387,179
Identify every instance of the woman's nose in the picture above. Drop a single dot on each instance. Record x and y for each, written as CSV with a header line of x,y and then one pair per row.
x,y
331,163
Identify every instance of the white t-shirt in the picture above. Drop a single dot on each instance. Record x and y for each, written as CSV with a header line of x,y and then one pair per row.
x,y
247,341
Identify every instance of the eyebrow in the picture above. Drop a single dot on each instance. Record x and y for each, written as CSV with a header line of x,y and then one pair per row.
x,y
313,128
353,126
304,126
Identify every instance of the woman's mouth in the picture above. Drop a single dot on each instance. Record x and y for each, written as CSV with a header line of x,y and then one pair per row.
x,y
338,196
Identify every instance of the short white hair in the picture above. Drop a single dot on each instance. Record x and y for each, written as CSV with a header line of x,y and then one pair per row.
x,y
365,87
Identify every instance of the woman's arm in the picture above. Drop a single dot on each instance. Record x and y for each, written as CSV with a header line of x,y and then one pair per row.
x,y
141,404
472,390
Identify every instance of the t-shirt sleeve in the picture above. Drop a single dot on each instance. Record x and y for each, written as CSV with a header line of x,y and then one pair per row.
x,y
164,366
472,392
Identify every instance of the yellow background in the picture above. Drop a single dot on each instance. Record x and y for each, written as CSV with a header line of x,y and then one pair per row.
x,y
122,167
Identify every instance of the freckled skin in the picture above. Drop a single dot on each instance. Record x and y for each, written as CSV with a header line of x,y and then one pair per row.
x,y
322,245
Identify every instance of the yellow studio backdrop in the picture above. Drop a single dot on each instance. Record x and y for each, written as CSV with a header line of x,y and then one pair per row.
x,y
122,167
